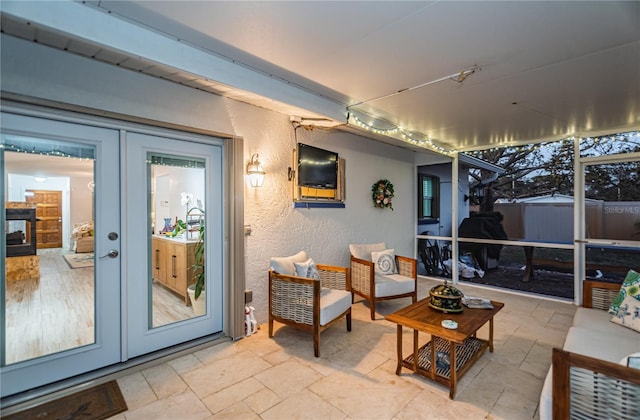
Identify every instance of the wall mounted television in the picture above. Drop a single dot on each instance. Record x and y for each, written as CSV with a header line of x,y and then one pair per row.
x,y
317,168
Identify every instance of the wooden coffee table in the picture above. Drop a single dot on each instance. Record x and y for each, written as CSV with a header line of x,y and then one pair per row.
x,y
461,345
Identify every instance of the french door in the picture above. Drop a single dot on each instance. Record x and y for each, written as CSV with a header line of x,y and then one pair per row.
x,y
174,195
137,203
58,320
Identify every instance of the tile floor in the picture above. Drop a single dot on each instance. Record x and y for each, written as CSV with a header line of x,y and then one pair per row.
x,y
262,378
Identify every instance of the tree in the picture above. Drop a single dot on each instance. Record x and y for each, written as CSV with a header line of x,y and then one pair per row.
x,y
548,168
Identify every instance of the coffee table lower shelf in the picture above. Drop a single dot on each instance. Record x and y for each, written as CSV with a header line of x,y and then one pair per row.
x,y
465,355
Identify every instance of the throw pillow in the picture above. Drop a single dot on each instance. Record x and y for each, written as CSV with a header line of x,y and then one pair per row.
x,y
628,314
307,269
284,265
630,287
385,261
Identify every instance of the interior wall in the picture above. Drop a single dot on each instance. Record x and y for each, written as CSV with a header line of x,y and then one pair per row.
x,y
18,184
277,228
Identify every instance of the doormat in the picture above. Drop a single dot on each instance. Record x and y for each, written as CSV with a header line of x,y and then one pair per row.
x,y
97,403
79,260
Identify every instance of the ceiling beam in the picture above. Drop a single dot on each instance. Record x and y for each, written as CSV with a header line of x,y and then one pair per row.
x,y
97,26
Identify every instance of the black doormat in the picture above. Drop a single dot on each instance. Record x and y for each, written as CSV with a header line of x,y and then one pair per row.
x,y
97,403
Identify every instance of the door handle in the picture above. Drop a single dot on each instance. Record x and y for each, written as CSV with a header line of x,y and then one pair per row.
x,y
113,253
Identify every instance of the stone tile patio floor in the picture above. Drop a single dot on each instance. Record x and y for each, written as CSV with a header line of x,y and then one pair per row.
x,y
262,378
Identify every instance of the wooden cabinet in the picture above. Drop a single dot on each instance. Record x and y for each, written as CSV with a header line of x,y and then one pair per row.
x,y
172,263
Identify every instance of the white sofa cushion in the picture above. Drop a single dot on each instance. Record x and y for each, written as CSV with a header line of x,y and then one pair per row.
x,y
393,284
333,303
607,347
284,265
597,320
363,251
546,401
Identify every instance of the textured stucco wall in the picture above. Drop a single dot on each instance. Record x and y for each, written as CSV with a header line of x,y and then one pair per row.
x,y
277,228
325,234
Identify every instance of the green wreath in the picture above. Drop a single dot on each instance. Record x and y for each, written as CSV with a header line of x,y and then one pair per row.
x,y
382,194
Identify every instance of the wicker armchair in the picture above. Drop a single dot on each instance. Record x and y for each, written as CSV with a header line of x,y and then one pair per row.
x,y
373,286
309,304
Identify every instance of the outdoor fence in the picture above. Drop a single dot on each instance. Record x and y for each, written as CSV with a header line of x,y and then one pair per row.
x,y
553,222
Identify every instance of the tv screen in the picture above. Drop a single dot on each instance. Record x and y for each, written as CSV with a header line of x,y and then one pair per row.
x,y
317,168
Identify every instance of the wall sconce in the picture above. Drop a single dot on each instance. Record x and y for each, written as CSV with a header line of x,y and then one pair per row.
x,y
255,172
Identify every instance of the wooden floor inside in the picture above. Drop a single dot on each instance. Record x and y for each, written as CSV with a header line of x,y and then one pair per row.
x,y
56,311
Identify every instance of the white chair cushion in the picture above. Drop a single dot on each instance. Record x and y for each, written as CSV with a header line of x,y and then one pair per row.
x,y
333,303
284,265
393,284
363,251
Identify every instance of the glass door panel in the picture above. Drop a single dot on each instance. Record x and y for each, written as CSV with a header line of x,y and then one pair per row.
x,y
39,279
177,217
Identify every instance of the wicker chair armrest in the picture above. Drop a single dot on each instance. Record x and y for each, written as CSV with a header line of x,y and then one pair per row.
x,y
294,298
407,266
334,277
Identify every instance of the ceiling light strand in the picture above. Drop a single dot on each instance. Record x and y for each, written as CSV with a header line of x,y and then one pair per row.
x,y
397,131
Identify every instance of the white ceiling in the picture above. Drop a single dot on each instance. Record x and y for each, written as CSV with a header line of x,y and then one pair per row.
x,y
546,70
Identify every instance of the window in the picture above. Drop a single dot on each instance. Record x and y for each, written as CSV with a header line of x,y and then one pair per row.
x,y
428,197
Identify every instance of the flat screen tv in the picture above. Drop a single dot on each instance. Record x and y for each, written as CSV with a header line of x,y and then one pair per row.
x,y
317,168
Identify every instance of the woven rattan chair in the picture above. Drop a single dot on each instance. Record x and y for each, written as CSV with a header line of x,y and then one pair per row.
x,y
308,304
375,287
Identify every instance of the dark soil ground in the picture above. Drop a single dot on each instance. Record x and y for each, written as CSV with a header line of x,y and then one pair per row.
x,y
553,271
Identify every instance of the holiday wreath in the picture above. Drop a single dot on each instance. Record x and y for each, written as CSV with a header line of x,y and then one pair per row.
x,y
382,194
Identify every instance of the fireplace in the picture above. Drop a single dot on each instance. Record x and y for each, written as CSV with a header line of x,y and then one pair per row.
x,y
20,228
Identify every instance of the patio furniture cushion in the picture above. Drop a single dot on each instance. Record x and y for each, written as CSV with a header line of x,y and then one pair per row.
x,y
333,302
628,314
594,344
363,251
600,321
307,269
285,265
393,284
385,261
630,287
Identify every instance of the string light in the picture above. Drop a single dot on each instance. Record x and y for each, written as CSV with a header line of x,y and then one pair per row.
x,y
50,153
397,131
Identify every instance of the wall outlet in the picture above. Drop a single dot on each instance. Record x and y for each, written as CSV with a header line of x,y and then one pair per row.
x,y
248,295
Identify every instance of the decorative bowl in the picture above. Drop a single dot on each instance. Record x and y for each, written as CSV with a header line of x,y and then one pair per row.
x,y
446,298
